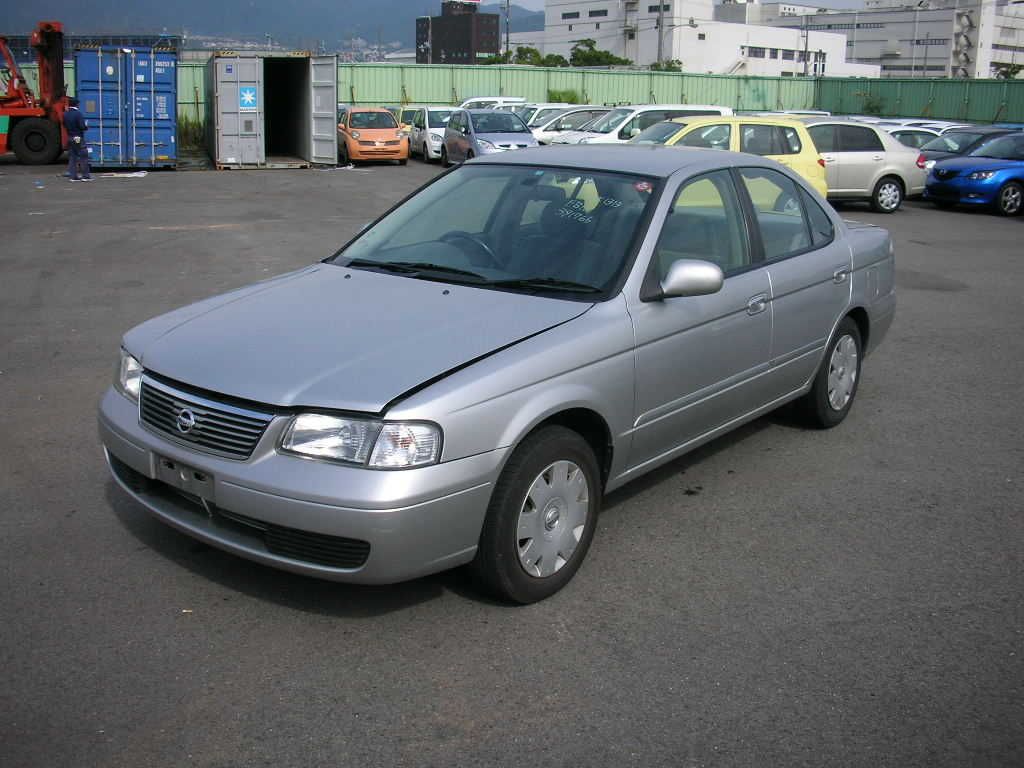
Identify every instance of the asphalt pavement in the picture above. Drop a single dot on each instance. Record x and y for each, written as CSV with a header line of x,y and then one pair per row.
x,y
781,597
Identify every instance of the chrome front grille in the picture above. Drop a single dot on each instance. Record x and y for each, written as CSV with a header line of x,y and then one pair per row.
x,y
225,430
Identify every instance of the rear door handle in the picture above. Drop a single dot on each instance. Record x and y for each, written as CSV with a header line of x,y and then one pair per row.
x,y
878,157
840,275
757,304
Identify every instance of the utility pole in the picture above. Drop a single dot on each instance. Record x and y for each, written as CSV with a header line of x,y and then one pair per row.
x,y
661,29
430,39
807,38
508,29
927,45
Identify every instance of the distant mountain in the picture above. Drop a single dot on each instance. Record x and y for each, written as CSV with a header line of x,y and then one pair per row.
x,y
298,24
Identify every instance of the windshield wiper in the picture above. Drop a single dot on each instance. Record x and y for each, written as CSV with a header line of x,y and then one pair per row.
x,y
415,268
552,283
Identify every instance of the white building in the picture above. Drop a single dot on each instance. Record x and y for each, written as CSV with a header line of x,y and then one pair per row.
x,y
905,38
691,35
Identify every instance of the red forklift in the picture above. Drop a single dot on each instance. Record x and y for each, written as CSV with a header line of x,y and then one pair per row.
x,y
31,126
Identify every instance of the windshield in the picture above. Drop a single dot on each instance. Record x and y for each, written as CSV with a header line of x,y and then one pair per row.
x,y
609,122
1002,148
511,227
658,133
498,122
438,118
957,143
543,115
372,120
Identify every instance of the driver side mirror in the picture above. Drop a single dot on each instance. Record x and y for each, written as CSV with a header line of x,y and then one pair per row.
x,y
691,277
634,133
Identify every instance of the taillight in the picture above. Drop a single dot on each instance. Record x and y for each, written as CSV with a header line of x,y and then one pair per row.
x,y
920,161
821,161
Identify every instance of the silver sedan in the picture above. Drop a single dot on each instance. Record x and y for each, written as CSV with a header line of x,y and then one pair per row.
x,y
465,379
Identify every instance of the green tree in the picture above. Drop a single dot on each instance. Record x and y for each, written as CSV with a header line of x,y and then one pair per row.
x,y
554,60
1006,71
672,65
585,53
498,58
527,55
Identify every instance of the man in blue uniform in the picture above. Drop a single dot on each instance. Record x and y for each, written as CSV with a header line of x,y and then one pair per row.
x,y
78,154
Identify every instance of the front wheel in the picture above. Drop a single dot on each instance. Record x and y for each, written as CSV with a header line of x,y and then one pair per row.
x,y
444,157
36,141
835,386
343,155
887,195
1010,198
426,153
541,518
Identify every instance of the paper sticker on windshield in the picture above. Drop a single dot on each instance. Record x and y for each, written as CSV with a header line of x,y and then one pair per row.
x,y
644,187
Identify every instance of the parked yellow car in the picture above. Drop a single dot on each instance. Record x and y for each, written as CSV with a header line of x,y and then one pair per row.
x,y
784,140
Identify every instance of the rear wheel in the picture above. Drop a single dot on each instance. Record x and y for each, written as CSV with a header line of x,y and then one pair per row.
x,y
1010,198
887,195
541,518
831,396
444,157
343,154
36,141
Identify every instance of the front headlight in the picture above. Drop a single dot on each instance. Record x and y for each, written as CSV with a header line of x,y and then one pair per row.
x,y
981,175
583,141
436,138
129,377
380,445
401,134
484,144
355,134
929,164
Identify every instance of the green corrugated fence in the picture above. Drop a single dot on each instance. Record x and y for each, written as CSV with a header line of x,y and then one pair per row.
x,y
969,100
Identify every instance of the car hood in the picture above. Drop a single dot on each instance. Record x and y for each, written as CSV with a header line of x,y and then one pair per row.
x,y
339,338
508,138
977,164
573,137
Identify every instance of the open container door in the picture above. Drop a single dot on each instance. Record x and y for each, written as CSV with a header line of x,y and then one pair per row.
x,y
323,78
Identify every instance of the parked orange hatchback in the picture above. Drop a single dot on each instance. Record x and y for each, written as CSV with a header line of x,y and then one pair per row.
x,y
370,133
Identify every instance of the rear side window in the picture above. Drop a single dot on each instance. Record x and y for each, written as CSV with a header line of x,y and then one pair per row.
x,y
780,212
768,140
854,138
824,137
822,231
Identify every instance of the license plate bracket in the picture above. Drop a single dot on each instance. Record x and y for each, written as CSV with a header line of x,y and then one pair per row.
x,y
185,478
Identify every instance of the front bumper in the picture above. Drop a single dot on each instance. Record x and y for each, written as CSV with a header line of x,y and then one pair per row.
x,y
961,190
310,517
398,151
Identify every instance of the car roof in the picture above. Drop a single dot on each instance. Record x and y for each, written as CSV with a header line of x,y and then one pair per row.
x,y
641,159
980,129
371,109
789,122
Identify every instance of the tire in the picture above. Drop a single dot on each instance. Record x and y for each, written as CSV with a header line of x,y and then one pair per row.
x,y
403,162
1010,200
887,196
835,385
444,157
343,155
426,154
469,156
36,141
527,500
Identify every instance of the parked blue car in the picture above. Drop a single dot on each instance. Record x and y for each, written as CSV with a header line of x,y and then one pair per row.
x,y
474,132
990,175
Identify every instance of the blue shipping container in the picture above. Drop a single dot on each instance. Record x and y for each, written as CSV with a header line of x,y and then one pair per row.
x,y
129,98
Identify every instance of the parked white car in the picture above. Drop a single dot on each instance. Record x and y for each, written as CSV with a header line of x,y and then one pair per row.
x,y
571,120
490,102
426,136
623,123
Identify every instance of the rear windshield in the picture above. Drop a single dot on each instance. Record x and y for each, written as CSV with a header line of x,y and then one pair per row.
x,y
498,122
372,120
953,142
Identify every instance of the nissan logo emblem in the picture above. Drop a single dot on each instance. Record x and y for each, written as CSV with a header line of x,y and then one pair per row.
x,y
185,421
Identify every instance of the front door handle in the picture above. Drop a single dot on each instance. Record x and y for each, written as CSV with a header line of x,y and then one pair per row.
x,y
757,304
878,157
840,275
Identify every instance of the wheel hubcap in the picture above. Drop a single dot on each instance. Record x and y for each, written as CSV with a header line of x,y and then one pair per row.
x,y
1011,199
889,196
842,373
552,518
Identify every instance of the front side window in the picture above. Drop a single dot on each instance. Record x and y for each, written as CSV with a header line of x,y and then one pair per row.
x,y
779,209
523,228
1001,148
715,136
822,230
371,120
769,140
706,223
408,115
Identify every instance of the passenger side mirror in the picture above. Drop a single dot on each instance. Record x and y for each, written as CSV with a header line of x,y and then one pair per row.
x,y
692,277
634,133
